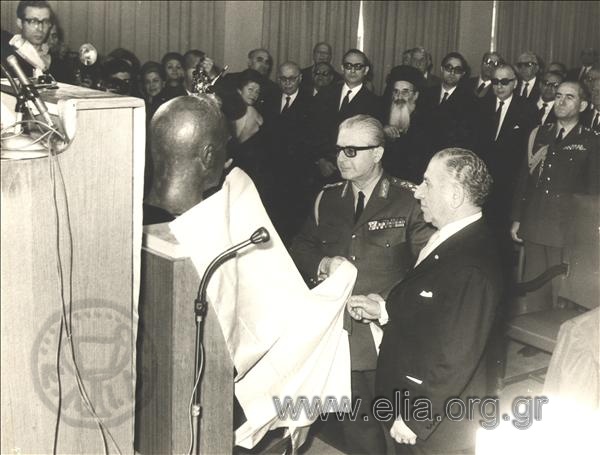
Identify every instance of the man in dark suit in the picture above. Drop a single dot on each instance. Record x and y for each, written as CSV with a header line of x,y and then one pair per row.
x,y
449,106
421,60
589,56
549,83
372,220
482,86
321,54
441,314
288,160
591,116
335,104
563,159
528,67
504,126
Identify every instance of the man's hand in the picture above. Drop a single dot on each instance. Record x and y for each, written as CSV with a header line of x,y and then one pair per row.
x,y
328,265
402,434
514,231
364,308
391,132
326,167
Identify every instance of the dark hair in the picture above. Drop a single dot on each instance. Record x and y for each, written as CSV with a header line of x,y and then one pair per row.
x,y
463,62
357,52
190,56
562,66
152,67
328,65
116,65
248,76
171,56
124,54
33,4
554,73
469,171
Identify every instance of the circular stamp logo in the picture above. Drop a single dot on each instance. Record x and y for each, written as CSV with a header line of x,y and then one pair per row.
x,y
103,345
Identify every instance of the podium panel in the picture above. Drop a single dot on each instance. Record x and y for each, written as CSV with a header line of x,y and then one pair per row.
x,y
92,237
166,342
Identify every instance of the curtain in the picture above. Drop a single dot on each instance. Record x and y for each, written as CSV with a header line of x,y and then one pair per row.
x,y
392,27
292,28
556,31
147,28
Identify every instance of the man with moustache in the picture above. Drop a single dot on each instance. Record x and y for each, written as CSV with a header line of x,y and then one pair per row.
x,y
372,220
563,159
322,53
322,76
409,142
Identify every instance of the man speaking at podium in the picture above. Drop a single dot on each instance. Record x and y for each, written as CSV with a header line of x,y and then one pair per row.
x,y
372,220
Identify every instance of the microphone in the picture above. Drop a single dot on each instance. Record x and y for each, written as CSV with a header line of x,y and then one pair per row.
x,y
29,89
261,235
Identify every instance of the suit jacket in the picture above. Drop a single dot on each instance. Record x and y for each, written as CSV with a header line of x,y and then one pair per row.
x,y
326,116
434,344
587,117
451,122
383,244
534,93
307,83
573,74
543,196
472,84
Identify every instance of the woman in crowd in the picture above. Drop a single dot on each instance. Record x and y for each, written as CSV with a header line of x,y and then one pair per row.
x,y
152,83
172,63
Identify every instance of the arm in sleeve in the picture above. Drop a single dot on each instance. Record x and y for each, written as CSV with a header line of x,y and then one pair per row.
x,y
418,230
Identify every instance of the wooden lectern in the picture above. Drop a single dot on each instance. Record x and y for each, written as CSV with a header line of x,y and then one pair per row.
x,y
103,183
166,362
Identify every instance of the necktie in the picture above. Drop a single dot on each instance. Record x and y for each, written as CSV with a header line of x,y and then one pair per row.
x,y
596,121
480,88
444,98
541,113
497,119
427,248
360,206
346,100
287,104
560,135
524,91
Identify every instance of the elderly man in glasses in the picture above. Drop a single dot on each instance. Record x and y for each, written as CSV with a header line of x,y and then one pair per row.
x,y
481,85
34,21
336,103
549,83
504,124
528,67
372,220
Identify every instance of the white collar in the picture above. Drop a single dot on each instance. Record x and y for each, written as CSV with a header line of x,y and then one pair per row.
x,y
292,99
506,102
367,191
449,91
541,102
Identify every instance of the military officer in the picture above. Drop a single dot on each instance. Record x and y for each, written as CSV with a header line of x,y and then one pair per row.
x,y
373,220
563,158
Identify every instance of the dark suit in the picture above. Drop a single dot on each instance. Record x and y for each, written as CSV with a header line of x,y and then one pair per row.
x,y
451,122
289,163
587,117
505,154
327,116
473,84
383,246
307,83
574,74
228,84
534,92
441,316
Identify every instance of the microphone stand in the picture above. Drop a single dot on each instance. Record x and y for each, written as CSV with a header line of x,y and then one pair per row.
x,y
261,235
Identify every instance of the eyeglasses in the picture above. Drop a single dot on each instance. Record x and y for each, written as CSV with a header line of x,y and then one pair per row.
x,y
356,66
284,79
505,81
526,64
490,62
323,73
550,84
454,69
350,150
403,92
35,22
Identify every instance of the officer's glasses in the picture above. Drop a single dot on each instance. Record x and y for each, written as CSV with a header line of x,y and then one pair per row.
x,y
550,84
353,66
350,150
504,81
459,70
35,22
526,64
289,80
491,62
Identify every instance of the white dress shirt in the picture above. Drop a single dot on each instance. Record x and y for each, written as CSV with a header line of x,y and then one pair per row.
x,y
530,85
549,106
345,89
507,102
284,99
449,92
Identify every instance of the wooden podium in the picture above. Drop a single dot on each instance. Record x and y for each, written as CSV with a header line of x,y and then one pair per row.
x,y
166,362
103,180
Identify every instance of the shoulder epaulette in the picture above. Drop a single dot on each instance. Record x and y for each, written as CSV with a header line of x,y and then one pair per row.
x,y
403,184
332,185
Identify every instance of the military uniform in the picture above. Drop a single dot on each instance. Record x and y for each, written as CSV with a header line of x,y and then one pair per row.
x,y
383,245
551,174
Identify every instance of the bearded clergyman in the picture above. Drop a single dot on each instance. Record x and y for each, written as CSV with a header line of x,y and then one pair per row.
x,y
409,144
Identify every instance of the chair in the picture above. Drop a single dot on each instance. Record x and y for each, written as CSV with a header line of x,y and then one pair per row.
x,y
579,285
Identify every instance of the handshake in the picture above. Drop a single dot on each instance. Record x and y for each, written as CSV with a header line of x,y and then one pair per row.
x,y
364,308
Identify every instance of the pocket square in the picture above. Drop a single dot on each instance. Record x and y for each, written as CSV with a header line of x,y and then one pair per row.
x,y
427,294
516,127
418,381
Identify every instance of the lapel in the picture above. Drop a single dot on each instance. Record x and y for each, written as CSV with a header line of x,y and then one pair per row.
x,y
450,247
353,101
378,201
509,118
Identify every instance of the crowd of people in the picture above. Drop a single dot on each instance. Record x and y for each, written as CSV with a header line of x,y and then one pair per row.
x,y
382,181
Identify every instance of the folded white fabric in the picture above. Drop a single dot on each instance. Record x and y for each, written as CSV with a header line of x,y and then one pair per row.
x,y
286,341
